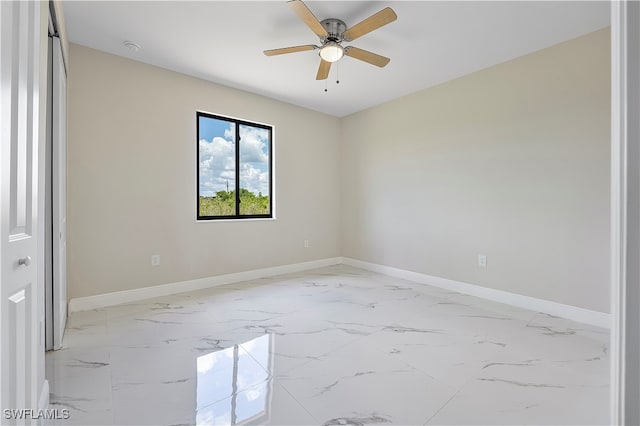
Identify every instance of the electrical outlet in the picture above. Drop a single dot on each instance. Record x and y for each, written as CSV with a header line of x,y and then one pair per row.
x,y
306,243
155,260
482,261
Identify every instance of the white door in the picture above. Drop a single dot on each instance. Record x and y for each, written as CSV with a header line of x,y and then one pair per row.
x,y
19,135
59,145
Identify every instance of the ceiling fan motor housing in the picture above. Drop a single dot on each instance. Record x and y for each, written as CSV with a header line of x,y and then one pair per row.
x,y
335,28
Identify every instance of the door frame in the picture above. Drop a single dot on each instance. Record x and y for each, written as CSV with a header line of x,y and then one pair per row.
x,y
59,191
55,202
625,217
24,83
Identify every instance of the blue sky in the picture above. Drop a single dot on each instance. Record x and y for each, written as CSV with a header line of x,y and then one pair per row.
x,y
217,157
209,128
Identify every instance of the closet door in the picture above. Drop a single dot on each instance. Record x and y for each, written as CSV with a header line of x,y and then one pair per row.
x,y
59,196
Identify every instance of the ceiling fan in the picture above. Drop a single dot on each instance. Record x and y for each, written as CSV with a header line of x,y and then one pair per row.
x,y
332,33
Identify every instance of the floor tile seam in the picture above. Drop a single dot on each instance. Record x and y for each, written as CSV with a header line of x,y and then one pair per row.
x,y
111,411
71,405
443,405
349,343
449,385
146,307
297,401
64,371
263,320
282,374
402,360
70,320
306,330
111,375
382,352
115,316
83,329
319,357
270,375
141,315
531,314
150,338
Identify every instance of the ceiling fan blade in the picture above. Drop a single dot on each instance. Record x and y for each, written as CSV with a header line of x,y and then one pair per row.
x,y
373,22
305,14
366,56
323,70
291,49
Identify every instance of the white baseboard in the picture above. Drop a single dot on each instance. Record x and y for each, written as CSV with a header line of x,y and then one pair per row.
x,y
128,296
582,315
43,401
586,316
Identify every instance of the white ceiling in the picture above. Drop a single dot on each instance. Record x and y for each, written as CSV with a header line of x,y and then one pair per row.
x,y
431,42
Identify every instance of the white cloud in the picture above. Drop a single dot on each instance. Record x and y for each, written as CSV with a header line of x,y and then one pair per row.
x,y
254,145
230,132
254,179
217,166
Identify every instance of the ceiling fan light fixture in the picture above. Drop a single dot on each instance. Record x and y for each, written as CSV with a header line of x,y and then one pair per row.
x,y
331,52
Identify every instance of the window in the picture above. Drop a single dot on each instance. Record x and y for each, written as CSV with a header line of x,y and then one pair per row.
x,y
234,168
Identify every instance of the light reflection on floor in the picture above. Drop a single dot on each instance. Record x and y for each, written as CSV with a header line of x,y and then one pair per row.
x,y
222,373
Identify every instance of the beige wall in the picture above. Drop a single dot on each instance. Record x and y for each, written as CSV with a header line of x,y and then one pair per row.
x,y
511,162
131,179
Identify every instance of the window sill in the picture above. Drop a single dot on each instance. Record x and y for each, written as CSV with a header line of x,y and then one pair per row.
x,y
251,219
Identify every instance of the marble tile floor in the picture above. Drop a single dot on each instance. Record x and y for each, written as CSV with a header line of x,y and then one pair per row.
x,y
332,346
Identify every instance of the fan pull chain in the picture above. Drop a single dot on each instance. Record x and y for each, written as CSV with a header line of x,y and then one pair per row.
x,y
338,72
325,84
